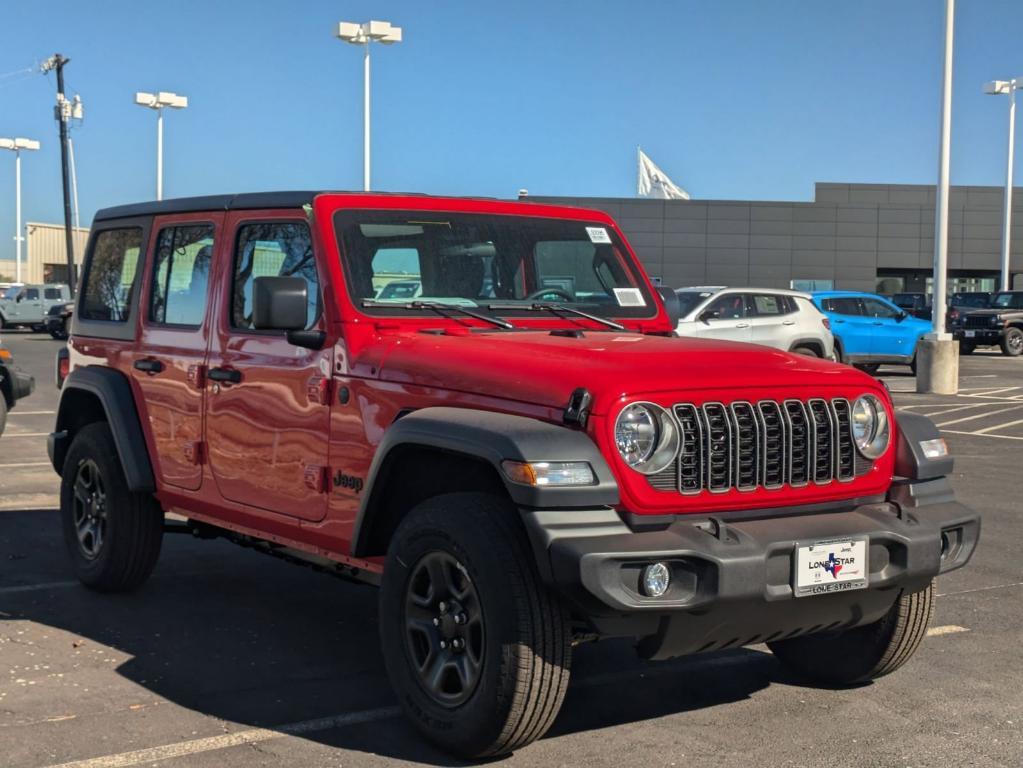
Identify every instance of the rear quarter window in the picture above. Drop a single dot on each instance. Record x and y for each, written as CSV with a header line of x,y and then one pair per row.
x,y
110,275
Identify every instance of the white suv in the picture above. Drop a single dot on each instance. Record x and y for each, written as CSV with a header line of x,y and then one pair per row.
x,y
774,317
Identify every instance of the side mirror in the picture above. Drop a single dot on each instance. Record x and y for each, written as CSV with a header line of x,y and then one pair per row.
x,y
671,305
708,315
279,303
900,317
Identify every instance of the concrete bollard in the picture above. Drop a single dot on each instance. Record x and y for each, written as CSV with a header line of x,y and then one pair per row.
x,y
937,365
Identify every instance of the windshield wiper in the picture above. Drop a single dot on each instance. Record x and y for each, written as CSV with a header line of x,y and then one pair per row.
x,y
438,306
551,307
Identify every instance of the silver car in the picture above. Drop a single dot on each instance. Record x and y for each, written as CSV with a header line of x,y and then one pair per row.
x,y
773,317
29,304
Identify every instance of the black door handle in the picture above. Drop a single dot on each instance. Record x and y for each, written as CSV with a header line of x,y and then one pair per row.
x,y
149,366
225,374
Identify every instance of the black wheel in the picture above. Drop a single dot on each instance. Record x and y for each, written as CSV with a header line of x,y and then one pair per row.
x,y
112,535
1012,342
808,351
476,647
967,347
912,364
871,368
863,653
3,414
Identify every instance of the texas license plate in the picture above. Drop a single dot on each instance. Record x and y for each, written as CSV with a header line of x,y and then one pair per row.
x,y
837,565
970,334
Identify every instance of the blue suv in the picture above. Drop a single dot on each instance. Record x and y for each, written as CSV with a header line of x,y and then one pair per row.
x,y
871,331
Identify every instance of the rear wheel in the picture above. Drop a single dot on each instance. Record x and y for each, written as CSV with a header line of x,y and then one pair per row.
x,y
112,534
476,647
808,351
871,368
1012,342
3,414
863,653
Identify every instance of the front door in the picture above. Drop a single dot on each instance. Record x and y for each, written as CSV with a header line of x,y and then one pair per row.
x,y
849,325
890,337
728,319
175,339
268,405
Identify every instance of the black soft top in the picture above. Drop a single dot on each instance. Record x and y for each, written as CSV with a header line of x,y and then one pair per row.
x,y
245,201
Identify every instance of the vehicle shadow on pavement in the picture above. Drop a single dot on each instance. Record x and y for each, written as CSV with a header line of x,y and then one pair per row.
x,y
244,638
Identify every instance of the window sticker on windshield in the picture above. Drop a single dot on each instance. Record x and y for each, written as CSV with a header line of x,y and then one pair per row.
x,y
598,235
629,297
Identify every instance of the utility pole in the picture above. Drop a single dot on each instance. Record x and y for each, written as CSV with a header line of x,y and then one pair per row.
x,y
62,112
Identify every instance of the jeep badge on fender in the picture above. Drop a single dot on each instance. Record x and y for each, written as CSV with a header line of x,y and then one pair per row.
x,y
518,450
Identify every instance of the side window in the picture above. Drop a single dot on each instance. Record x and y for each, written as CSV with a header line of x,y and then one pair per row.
x,y
845,306
270,249
110,275
875,308
767,305
181,272
51,293
31,294
728,307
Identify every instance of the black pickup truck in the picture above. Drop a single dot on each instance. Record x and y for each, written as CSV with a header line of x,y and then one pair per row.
x,y
1001,325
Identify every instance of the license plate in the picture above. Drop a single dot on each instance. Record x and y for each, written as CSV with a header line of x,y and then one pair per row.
x,y
970,334
837,565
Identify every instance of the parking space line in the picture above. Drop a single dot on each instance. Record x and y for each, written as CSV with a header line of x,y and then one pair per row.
x,y
39,587
998,426
977,434
249,736
948,629
978,416
950,408
14,414
990,392
26,464
980,589
28,434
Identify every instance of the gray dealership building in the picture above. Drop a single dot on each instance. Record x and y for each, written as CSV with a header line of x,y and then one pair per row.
x,y
868,237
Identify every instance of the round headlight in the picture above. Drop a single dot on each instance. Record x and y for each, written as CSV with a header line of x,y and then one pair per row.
x,y
647,437
870,426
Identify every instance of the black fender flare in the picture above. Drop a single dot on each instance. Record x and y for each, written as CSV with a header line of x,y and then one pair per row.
x,y
113,391
493,438
910,461
807,342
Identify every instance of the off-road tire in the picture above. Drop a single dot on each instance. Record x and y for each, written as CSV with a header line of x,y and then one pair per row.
x,y
526,636
804,350
1012,342
871,368
966,348
133,527
864,653
3,413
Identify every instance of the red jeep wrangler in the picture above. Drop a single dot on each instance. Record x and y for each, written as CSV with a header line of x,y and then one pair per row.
x,y
479,406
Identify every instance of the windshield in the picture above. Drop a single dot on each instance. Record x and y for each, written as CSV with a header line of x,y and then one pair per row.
x,y
11,293
476,260
977,300
688,300
1011,300
906,300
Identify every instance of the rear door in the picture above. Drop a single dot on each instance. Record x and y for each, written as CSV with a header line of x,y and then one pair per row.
x,y
170,358
268,404
729,320
849,324
771,319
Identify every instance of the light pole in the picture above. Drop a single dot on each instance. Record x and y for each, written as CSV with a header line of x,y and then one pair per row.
x,y
158,101
364,34
17,145
1009,88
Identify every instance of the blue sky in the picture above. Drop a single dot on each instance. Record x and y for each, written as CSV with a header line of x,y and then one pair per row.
x,y
733,98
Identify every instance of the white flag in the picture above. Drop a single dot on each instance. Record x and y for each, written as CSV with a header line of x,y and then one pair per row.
x,y
653,182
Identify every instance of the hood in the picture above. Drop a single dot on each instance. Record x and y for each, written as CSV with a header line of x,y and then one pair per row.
x,y
989,312
540,368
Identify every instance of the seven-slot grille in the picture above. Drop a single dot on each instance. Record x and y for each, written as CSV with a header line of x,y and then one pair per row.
x,y
767,444
979,321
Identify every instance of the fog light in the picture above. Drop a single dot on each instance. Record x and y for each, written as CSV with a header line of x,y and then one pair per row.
x,y
656,579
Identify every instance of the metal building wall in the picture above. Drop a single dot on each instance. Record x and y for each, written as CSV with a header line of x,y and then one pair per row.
x,y
846,234
45,245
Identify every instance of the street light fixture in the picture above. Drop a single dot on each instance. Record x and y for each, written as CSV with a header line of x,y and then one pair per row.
x,y
159,101
16,146
364,34
1007,88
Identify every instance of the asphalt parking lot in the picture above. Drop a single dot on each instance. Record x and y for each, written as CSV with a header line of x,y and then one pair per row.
x,y
226,658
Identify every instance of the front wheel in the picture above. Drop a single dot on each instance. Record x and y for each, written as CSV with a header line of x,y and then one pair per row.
x,y
476,647
1012,342
966,348
871,368
112,534
808,351
864,653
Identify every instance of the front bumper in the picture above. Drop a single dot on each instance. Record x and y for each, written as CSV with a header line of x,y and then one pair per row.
x,y
980,335
732,578
22,384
